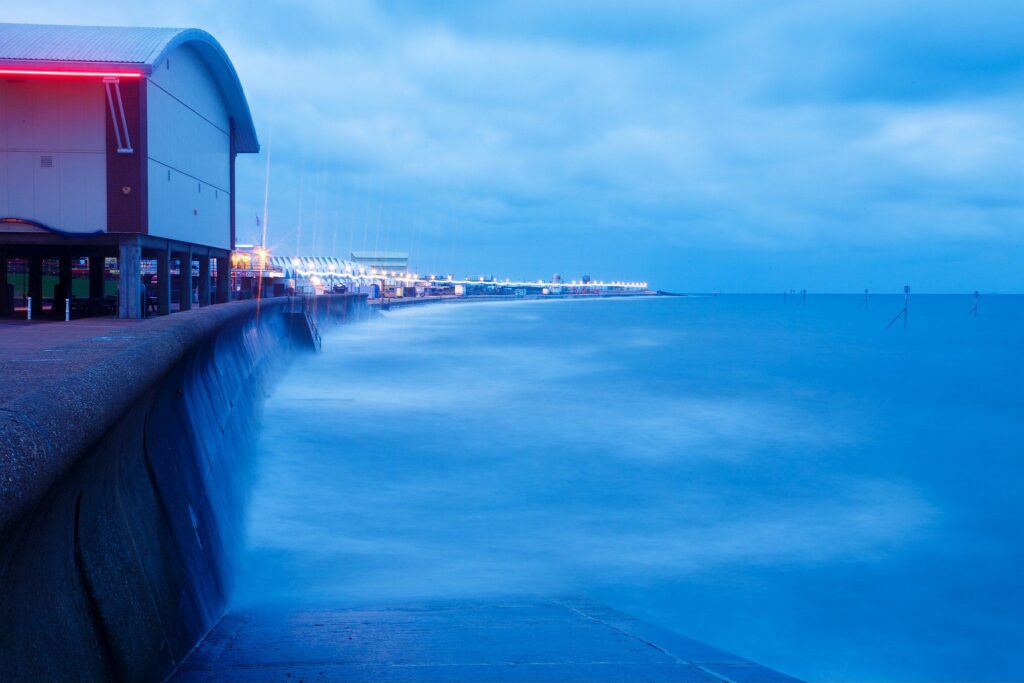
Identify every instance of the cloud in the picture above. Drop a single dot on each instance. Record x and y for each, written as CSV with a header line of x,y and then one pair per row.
x,y
525,137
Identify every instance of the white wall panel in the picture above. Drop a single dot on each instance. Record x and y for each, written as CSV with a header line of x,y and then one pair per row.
x,y
82,117
20,190
46,191
184,75
63,120
16,99
182,208
189,153
181,139
83,191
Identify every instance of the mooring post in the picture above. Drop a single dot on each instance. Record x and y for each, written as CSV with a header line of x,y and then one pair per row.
x,y
906,308
29,302
67,310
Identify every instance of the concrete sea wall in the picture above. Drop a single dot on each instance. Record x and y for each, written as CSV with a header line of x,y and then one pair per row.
x,y
123,475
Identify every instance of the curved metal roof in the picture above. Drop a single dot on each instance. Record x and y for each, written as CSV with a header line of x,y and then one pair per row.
x,y
43,46
322,265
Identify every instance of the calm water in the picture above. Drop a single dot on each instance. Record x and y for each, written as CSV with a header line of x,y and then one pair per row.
x,y
793,483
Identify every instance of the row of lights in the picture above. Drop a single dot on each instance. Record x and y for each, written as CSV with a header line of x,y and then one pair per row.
x,y
332,271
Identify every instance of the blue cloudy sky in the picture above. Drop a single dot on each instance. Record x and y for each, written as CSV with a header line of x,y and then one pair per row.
x,y
728,144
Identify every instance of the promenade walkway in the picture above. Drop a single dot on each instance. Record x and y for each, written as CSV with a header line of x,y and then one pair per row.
x,y
516,640
24,339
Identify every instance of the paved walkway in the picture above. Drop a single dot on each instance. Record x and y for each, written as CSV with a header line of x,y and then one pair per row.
x,y
24,339
521,640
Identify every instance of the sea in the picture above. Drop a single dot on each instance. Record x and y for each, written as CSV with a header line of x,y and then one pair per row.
x,y
787,478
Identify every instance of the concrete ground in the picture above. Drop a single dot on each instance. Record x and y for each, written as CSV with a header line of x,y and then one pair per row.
x,y
513,640
24,339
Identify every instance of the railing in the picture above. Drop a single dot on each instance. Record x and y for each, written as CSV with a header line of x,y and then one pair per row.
x,y
302,305
317,341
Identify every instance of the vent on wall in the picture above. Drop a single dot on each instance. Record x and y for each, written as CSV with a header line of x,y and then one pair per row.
x,y
46,161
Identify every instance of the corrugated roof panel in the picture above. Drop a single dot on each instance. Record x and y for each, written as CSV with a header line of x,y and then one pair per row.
x,y
54,43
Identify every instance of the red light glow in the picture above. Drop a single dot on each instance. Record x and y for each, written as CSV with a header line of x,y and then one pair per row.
x,y
70,74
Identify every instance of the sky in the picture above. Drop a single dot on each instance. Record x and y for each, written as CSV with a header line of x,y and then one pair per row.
x,y
728,145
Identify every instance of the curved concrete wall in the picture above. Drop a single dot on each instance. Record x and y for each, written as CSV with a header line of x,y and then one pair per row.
x,y
122,509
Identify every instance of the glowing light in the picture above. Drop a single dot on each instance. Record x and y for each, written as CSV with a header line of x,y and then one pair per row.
x,y
70,74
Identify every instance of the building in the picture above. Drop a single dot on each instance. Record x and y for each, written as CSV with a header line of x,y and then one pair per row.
x,y
119,143
320,273
388,261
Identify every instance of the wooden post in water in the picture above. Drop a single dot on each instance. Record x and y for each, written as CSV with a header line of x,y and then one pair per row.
x,y
906,308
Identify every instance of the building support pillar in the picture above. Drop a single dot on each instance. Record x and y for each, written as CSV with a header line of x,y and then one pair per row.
x,y
63,289
185,280
35,283
223,279
130,295
163,281
204,280
96,264
5,301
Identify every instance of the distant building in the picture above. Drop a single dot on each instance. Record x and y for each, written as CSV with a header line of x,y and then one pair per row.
x,y
119,143
391,261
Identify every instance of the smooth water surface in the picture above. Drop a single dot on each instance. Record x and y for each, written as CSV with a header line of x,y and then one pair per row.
x,y
789,481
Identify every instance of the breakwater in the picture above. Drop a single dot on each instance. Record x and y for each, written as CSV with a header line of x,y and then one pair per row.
x,y
123,464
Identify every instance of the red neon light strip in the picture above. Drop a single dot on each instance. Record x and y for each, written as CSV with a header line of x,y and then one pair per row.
x,y
85,74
